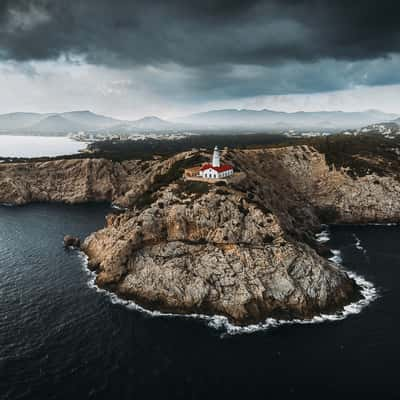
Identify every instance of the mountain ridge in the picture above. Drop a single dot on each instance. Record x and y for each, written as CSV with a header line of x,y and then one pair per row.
x,y
300,119
242,119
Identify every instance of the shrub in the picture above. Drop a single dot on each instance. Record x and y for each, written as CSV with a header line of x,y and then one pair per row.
x,y
327,214
145,199
268,239
195,187
220,183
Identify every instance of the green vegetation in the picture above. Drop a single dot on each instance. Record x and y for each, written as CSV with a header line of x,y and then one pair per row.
x,y
220,183
193,187
177,170
327,215
145,149
172,175
145,200
362,155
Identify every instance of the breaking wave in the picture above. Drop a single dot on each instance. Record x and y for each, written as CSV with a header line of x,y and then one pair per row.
x,y
323,236
358,245
368,291
118,207
337,257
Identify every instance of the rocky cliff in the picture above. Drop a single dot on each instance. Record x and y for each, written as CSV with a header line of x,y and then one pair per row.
x,y
80,180
245,250
215,253
337,195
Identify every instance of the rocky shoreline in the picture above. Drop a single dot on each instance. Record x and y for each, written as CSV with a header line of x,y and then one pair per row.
x,y
245,251
226,260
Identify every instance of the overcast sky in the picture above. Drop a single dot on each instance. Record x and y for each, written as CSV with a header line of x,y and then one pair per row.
x,y
169,58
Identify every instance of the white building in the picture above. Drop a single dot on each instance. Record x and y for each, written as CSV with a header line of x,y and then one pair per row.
x,y
216,170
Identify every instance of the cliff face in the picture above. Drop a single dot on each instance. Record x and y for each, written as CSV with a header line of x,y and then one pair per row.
x,y
336,195
70,181
244,250
216,254
78,181
294,182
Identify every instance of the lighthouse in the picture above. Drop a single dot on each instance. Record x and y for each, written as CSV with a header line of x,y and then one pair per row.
x,y
215,170
216,159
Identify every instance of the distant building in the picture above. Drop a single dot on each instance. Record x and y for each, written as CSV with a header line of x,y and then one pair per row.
x,y
216,170
210,171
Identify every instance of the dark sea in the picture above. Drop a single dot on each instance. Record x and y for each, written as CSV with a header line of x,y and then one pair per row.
x,y
61,339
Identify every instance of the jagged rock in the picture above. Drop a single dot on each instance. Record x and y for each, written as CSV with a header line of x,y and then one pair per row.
x,y
245,251
211,256
72,241
294,181
80,180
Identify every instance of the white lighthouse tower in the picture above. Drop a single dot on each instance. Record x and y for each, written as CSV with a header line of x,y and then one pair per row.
x,y
216,158
214,170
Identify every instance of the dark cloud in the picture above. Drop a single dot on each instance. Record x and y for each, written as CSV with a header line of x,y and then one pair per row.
x,y
193,33
191,51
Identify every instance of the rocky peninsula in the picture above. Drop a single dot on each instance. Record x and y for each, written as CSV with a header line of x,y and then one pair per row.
x,y
245,250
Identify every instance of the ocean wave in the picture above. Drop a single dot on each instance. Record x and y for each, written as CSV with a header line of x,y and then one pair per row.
x,y
379,224
323,236
118,207
357,244
222,324
337,256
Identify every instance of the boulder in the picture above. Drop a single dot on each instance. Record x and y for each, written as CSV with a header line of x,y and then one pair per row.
x,y
72,241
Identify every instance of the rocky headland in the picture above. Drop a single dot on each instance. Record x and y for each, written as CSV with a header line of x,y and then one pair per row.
x,y
245,250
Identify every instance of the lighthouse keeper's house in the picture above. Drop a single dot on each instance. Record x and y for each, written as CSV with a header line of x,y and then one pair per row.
x,y
215,170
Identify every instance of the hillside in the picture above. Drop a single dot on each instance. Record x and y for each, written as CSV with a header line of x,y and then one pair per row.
x,y
15,121
214,121
245,250
55,124
89,119
281,120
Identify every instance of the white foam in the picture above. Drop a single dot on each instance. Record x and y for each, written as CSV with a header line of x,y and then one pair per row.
x,y
357,244
118,207
323,236
337,257
383,224
221,323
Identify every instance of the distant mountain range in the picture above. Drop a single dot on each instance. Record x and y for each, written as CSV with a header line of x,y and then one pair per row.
x,y
146,124
61,123
254,119
247,120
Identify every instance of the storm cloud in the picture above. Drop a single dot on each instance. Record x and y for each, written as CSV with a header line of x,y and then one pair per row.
x,y
198,51
193,33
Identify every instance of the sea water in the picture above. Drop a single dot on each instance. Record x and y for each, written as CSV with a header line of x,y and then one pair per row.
x,y
38,146
62,338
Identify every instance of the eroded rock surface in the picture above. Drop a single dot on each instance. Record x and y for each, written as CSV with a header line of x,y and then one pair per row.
x,y
79,180
246,251
216,254
335,194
